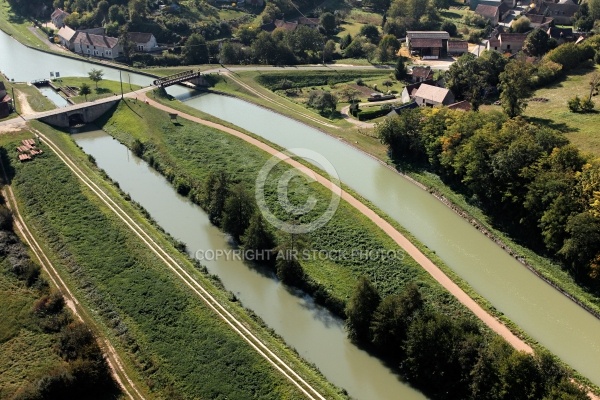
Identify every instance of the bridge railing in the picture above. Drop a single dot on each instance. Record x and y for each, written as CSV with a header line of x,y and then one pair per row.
x,y
176,78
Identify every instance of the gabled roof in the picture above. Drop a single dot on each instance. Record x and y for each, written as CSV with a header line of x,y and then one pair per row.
x,y
487,11
560,9
96,40
308,21
559,33
59,12
411,35
288,26
66,33
422,72
512,37
458,44
140,37
433,93
412,88
426,43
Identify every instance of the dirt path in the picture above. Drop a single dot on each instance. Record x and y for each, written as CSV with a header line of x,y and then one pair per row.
x,y
24,104
400,239
112,357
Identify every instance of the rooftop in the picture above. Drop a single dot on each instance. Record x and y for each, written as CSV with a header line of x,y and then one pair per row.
x,y
433,93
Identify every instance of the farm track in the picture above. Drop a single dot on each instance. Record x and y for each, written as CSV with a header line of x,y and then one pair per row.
x,y
114,361
235,324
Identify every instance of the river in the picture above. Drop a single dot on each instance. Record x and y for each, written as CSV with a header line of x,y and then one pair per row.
x,y
546,315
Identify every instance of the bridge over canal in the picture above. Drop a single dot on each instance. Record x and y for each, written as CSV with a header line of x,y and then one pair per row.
x,y
190,76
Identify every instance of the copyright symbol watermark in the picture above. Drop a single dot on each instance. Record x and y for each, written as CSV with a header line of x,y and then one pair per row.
x,y
283,194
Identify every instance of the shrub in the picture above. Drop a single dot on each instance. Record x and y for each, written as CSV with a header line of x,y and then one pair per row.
x,y
574,104
372,114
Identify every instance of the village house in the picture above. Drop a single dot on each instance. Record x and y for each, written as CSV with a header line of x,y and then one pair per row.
x,y
494,13
409,91
58,17
457,47
561,35
539,21
507,42
420,74
427,44
96,45
429,96
562,13
144,42
66,35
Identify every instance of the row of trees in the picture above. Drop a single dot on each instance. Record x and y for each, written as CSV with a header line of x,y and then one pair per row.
x,y
526,177
450,358
231,207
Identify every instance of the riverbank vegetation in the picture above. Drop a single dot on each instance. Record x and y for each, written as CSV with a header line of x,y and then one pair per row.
x,y
218,172
526,177
449,358
173,340
44,351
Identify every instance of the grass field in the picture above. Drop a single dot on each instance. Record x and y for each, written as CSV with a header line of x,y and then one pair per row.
x,y
17,26
582,129
173,340
105,88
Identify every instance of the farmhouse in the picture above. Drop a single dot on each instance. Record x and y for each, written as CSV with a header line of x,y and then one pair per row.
x,y
429,96
562,12
562,35
507,42
96,45
144,42
493,13
428,44
538,20
409,91
58,17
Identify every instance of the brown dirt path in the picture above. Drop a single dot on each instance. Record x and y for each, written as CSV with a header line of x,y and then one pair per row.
x,y
400,239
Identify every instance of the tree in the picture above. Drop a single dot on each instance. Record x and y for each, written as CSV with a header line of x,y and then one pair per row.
x,y
360,309
400,70
322,101
515,87
594,84
345,41
329,51
449,27
521,25
96,76
583,244
127,44
328,22
537,43
257,236
594,8
213,200
195,50
237,211
371,33
85,90
388,48
349,93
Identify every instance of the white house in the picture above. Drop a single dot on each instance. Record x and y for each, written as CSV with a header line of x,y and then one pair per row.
x,y
96,45
65,35
144,42
428,95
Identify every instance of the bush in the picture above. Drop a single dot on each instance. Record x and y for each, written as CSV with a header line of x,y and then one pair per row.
x,y
576,105
449,27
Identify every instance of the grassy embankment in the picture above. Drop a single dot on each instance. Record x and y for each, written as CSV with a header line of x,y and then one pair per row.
x,y
187,152
106,88
364,140
17,26
171,338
